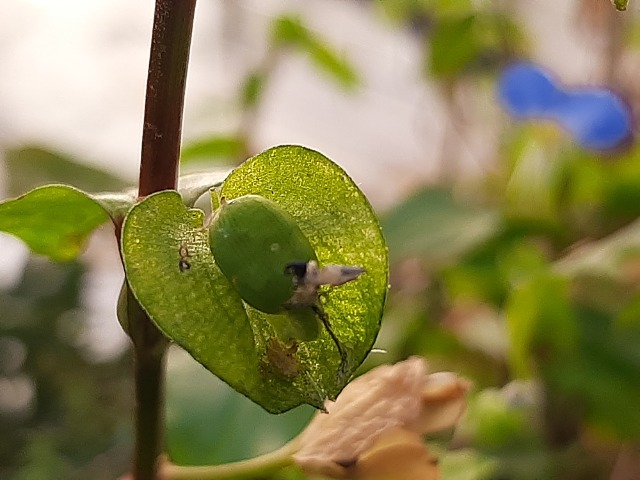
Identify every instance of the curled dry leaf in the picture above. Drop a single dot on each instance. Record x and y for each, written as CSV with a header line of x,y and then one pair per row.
x,y
377,419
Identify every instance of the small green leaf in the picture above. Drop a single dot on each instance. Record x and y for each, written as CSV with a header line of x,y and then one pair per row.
x,y
54,220
215,148
454,45
116,204
290,31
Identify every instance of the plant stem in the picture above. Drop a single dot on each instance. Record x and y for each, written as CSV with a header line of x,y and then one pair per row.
x,y
170,43
149,350
253,468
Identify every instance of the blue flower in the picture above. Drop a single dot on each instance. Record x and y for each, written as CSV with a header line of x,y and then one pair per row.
x,y
596,117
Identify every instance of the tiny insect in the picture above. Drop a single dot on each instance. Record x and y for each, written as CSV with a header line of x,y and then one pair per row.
x,y
308,277
183,263
282,357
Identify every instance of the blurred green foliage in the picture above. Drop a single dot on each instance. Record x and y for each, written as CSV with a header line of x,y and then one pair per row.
x,y
203,426
31,166
288,34
71,420
569,315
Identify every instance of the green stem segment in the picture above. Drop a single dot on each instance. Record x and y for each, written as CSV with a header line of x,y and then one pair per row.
x,y
170,44
257,467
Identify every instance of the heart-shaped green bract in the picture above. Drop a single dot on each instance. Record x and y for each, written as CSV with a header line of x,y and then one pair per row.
x,y
172,273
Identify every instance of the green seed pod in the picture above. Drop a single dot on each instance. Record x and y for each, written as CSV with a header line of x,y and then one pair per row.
x,y
252,240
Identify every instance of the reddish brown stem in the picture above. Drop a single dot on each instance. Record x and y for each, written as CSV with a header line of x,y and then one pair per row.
x,y
170,43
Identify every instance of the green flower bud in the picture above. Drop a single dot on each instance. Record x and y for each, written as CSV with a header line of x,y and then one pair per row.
x,y
252,240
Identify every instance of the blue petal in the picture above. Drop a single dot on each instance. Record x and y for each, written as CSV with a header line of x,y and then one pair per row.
x,y
526,90
597,118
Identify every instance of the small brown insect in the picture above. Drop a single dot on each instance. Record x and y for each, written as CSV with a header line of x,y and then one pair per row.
x,y
184,264
282,358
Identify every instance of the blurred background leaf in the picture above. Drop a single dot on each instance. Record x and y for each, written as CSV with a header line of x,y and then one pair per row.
x,y
33,166
289,31
223,149
433,225
209,423
67,415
